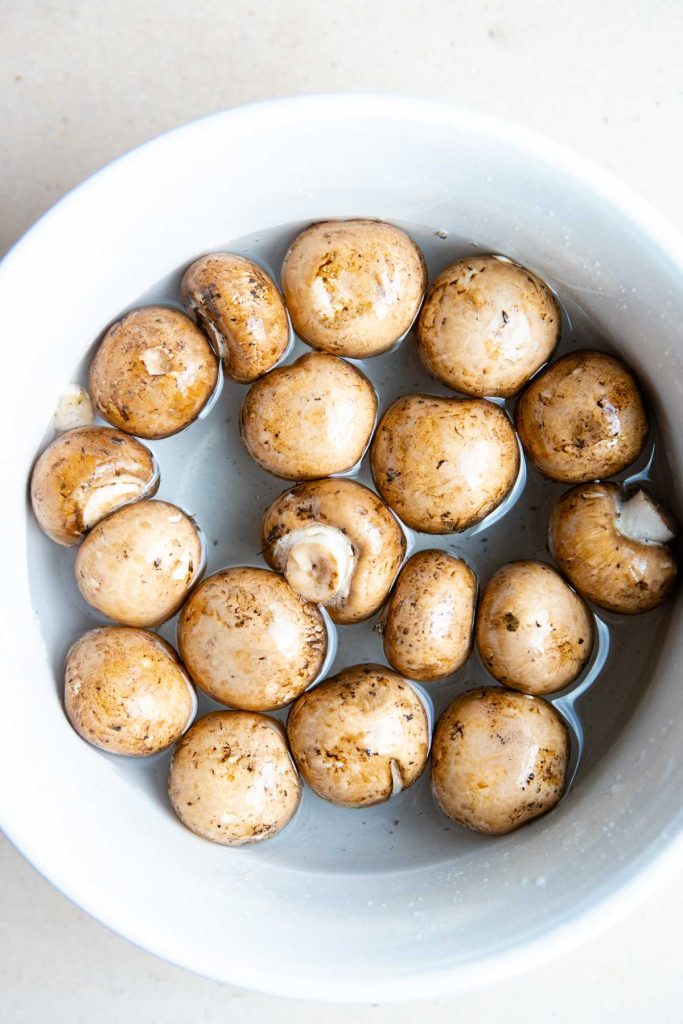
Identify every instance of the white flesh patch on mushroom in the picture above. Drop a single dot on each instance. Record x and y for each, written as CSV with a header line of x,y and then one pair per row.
x,y
219,344
639,519
318,562
102,500
157,361
74,409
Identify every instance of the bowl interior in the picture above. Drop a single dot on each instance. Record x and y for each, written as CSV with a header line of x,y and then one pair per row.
x,y
344,903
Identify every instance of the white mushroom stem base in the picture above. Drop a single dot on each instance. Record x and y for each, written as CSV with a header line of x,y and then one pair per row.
x,y
99,501
317,561
396,777
74,409
641,520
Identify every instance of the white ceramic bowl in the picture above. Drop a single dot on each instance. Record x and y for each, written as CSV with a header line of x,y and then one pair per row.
x,y
359,923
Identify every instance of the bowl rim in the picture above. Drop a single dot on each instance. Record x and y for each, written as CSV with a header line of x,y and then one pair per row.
x,y
654,867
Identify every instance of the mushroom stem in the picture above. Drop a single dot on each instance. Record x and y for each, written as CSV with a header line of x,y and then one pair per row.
x,y
396,777
74,409
639,519
317,562
104,498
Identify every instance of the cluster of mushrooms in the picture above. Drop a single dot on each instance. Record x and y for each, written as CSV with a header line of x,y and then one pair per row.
x,y
255,639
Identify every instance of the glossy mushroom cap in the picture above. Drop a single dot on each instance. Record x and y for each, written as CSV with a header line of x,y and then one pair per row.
x,y
84,475
126,691
487,326
138,565
153,372
311,419
499,759
353,287
534,633
232,779
241,309
582,418
360,737
429,618
443,464
249,641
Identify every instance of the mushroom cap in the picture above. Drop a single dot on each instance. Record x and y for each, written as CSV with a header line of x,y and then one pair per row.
x,y
138,565
310,419
486,326
430,616
84,475
240,307
249,641
126,691
443,464
582,418
232,779
606,565
376,537
499,759
153,372
359,737
353,287
534,633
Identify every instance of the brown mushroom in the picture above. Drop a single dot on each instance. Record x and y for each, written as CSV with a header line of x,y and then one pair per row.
x,y
360,737
487,325
138,565
429,619
353,287
311,419
534,633
443,464
499,759
126,692
232,779
249,641
614,548
153,372
337,544
84,475
582,418
239,305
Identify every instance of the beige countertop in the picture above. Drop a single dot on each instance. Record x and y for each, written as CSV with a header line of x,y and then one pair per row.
x,y
84,81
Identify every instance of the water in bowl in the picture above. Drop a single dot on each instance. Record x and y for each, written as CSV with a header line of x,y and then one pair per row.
x,y
206,470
